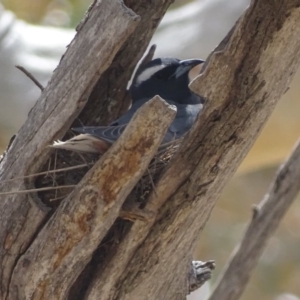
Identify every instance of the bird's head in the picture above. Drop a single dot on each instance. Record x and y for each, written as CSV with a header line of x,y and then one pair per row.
x,y
167,77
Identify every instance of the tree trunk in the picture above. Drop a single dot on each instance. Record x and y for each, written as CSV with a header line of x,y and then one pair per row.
x,y
146,257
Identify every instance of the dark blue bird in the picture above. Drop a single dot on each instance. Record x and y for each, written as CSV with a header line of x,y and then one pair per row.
x,y
169,78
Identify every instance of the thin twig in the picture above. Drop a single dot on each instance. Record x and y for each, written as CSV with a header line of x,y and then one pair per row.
x,y
28,74
82,157
49,165
265,220
59,198
152,182
47,172
53,176
49,188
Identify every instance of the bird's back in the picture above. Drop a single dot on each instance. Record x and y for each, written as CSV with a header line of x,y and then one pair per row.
x,y
183,121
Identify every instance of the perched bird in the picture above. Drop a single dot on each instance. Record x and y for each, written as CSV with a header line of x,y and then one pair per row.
x,y
167,77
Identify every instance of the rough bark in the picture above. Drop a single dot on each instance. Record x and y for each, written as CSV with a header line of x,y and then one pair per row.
x,y
106,27
266,218
242,82
63,247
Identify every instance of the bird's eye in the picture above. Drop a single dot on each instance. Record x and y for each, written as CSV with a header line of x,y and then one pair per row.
x,y
166,73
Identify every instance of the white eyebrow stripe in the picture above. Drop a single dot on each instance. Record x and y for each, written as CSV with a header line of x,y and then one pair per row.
x,y
146,74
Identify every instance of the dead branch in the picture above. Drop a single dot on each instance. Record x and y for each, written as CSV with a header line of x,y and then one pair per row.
x,y
242,82
29,75
60,103
86,215
199,273
266,219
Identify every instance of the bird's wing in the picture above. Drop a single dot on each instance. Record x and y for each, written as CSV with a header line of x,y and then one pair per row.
x,y
83,143
185,118
106,133
113,131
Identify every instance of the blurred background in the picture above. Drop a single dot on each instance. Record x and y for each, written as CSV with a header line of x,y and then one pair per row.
x,y
35,33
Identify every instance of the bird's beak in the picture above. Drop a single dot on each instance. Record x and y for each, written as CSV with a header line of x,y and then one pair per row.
x,y
191,62
187,65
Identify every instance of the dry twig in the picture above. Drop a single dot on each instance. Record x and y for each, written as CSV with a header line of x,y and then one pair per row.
x,y
28,74
47,172
38,190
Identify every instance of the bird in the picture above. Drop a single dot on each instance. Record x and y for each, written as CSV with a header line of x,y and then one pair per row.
x,y
167,77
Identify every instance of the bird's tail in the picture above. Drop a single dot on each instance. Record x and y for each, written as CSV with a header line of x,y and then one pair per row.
x,y
83,143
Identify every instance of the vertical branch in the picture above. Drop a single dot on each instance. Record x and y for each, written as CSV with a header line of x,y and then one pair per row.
x,y
266,218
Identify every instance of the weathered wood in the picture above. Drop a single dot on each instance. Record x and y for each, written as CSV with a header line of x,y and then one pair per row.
x,y
266,218
63,247
107,27
109,98
243,81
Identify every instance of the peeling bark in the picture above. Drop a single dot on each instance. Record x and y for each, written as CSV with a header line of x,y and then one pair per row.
x,y
63,247
107,25
250,81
